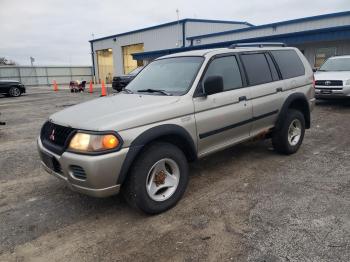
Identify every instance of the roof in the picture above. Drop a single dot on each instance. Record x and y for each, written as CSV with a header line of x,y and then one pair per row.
x,y
299,20
173,23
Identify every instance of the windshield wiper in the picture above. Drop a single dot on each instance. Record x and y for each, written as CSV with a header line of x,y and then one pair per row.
x,y
150,90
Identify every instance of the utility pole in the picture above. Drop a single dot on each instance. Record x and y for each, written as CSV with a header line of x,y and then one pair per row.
x,y
178,27
32,60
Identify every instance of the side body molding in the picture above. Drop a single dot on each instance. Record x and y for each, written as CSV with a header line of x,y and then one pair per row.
x,y
165,132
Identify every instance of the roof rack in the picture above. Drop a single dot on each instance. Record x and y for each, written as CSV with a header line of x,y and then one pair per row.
x,y
266,44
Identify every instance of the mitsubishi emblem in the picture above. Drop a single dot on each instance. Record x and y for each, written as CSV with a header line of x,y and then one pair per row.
x,y
52,136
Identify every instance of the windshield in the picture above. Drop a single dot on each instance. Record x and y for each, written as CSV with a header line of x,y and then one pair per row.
x,y
336,64
136,71
174,76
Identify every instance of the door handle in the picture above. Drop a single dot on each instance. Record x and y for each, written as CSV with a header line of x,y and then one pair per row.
x,y
242,98
279,89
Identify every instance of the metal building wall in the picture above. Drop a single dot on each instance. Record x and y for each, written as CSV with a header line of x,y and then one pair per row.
x,y
44,75
199,28
154,39
166,37
309,49
276,29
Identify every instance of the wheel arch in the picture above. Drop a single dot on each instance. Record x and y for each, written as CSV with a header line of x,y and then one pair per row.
x,y
299,102
170,133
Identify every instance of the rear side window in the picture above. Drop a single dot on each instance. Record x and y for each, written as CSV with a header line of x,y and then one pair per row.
x,y
227,67
289,63
257,68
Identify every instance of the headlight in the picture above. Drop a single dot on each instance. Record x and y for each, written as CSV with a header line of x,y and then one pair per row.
x,y
347,82
92,143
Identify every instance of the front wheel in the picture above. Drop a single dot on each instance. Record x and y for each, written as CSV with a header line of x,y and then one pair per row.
x,y
289,136
14,91
158,179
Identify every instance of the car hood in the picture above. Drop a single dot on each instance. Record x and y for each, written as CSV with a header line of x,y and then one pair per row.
x,y
121,111
332,75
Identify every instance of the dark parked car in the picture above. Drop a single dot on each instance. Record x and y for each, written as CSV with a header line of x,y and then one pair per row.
x,y
119,82
11,88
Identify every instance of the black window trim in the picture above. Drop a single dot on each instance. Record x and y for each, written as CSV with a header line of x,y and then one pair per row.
x,y
198,93
267,61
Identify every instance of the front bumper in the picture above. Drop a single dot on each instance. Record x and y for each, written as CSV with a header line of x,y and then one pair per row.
x,y
332,91
101,171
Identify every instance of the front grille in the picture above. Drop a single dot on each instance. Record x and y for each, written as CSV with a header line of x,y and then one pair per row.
x,y
55,137
78,172
329,82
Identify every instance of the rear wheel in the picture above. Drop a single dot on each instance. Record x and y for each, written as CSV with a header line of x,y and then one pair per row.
x,y
289,136
158,179
14,91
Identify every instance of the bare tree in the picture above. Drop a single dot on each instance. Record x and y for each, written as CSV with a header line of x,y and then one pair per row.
x,y
6,62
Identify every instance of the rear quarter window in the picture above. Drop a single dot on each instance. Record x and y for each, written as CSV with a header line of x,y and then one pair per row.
x,y
289,63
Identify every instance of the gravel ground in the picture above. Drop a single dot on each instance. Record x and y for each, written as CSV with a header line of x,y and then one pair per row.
x,y
246,203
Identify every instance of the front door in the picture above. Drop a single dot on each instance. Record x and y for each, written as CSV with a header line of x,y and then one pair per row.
x,y
222,119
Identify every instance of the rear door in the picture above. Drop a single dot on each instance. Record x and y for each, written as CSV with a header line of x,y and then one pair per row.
x,y
222,119
266,88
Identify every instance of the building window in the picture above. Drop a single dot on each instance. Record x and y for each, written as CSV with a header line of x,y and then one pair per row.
x,y
322,54
128,62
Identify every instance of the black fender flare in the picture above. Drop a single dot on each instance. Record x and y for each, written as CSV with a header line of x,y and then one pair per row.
x,y
295,97
150,135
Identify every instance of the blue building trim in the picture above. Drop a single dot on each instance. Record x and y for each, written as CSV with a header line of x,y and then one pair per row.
x,y
324,34
299,20
182,21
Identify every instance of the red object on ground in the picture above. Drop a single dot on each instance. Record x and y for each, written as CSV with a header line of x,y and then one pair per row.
x,y
103,89
55,87
91,88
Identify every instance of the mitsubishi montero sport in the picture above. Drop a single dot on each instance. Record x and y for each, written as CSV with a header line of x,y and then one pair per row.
x,y
180,107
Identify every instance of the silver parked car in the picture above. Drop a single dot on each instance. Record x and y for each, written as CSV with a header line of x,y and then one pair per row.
x,y
181,107
333,78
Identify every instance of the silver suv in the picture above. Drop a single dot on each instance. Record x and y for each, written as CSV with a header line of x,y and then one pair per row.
x,y
179,108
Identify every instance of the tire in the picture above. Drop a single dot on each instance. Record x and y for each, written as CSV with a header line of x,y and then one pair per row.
x,y
15,91
283,139
72,91
141,180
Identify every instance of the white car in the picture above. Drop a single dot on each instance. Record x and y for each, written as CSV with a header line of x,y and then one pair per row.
x,y
332,80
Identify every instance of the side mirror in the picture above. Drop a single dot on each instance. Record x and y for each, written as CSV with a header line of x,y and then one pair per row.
x,y
213,85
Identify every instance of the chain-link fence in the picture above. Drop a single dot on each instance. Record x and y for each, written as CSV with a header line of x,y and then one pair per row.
x,y
44,75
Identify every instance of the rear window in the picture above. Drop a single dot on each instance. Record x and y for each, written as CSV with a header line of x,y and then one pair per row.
x,y
289,63
257,68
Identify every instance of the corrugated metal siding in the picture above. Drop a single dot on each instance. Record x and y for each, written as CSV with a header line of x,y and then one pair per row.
x,y
160,38
199,28
342,48
280,29
31,76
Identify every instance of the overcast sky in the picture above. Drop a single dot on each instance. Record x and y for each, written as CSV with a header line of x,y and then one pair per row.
x,y
56,32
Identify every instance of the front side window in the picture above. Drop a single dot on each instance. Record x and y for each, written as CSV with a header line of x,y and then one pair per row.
x,y
257,68
174,76
336,64
227,68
